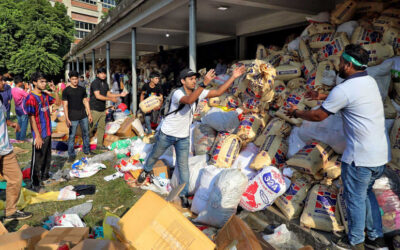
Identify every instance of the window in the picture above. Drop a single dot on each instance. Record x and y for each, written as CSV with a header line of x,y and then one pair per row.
x,y
83,28
80,34
108,3
94,2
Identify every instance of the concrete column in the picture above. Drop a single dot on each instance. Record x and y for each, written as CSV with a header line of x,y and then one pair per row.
x,y
192,35
73,64
134,77
67,69
108,63
77,64
242,47
84,66
93,64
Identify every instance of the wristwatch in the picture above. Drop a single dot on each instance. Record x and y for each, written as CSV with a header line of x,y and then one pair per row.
x,y
202,85
294,113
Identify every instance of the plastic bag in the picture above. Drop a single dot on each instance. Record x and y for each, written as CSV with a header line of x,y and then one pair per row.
x,y
220,120
382,76
106,156
244,159
138,147
294,142
224,198
89,170
68,220
206,183
347,27
282,238
112,128
203,138
263,189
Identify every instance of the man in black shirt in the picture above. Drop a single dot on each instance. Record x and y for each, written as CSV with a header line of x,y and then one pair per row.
x,y
152,88
77,112
99,94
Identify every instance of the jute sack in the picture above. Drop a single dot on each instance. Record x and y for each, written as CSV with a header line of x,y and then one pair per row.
x,y
369,8
272,152
219,137
320,40
390,111
201,109
333,168
217,101
320,210
320,28
261,76
261,52
312,158
287,72
231,102
280,94
291,203
276,126
384,22
296,83
225,152
341,204
203,139
150,103
364,36
249,127
304,50
296,97
336,47
343,12
392,36
322,67
309,67
378,52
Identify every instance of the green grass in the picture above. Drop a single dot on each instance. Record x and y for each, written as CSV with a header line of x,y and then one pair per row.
x,y
110,194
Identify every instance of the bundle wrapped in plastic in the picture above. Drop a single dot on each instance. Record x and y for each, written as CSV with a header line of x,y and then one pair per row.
x,y
225,152
272,152
276,126
250,126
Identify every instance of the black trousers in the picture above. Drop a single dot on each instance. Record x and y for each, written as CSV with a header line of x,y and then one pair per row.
x,y
41,159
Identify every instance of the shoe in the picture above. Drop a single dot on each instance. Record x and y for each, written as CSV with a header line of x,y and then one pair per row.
x,y
90,154
71,159
344,243
18,215
378,243
184,202
143,176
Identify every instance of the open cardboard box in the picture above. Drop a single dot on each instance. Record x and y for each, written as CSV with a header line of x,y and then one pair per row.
x,y
23,239
99,245
59,236
154,223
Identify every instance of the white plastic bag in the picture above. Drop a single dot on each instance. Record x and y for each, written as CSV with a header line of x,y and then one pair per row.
x,y
224,198
244,160
221,120
329,131
202,194
68,220
87,171
282,238
141,148
263,189
347,27
381,74
295,143
196,164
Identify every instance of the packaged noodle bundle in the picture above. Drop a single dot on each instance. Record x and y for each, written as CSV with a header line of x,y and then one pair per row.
x,y
250,125
287,72
272,152
150,103
320,40
225,152
276,126
336,47
365,36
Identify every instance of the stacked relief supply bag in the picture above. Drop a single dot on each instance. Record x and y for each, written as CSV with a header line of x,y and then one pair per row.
x,y
272,152
291,203
365,36
311,159
320,211
150,103
224,198
250,126
287,72
263,189
296,83
201,109
320,28
203,138
296,97
276,126
334,48
225,152
392,36
280,95
343,12
378,52
261,77
395,143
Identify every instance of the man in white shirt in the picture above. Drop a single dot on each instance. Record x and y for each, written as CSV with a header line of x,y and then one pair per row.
x,y
176,125
360,103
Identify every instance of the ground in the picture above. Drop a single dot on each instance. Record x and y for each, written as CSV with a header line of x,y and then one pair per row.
x,y
108,194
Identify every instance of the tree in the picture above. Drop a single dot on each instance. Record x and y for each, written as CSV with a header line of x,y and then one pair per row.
x,y
37,36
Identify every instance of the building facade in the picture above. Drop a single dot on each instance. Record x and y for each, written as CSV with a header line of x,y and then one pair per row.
x,y
86,14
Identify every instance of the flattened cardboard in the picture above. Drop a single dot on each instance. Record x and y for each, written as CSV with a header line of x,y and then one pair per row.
x,y
238,233
62,235
3,229
153,223
99,245
25,226
109,139
24,239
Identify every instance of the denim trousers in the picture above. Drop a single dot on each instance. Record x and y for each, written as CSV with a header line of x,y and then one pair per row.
x,y
181,146
362,206
23,124
84,123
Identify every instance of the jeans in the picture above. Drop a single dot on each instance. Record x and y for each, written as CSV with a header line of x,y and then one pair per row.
x,y
147,121
181,146
85,136
23,124
362,206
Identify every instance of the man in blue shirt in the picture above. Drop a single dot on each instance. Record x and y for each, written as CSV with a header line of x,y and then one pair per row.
x,y
360,103
7,97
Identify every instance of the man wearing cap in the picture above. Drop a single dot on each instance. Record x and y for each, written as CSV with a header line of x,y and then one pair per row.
x,y
150,89
174,129
360,103
99,94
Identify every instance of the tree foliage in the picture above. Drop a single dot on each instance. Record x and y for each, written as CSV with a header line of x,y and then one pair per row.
x,y
34,35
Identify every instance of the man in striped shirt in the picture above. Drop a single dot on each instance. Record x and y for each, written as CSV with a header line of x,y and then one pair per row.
x,y
38,109
9,167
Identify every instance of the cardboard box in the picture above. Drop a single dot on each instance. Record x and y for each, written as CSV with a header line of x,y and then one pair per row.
x,y
99,245
62,128
3,229
25,226
109,139
153,223
237,233
62,235
24,239
126,131
159,169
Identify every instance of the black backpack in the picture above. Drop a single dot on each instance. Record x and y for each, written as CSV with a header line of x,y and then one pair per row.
x,y
165,109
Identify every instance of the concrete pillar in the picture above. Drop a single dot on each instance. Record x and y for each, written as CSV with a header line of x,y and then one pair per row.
x,y
192,35
242,47
134,77
67,69
73,64
77,64
93,64
84,66
108,63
